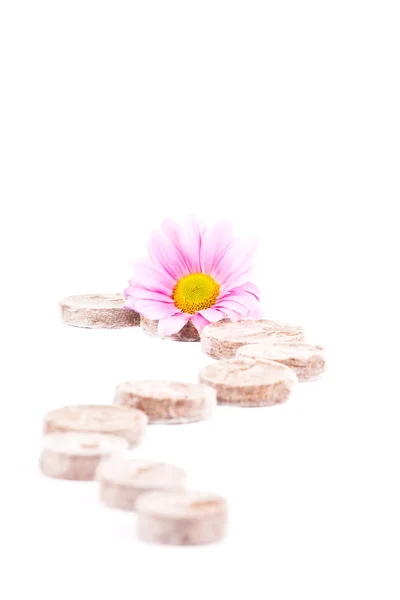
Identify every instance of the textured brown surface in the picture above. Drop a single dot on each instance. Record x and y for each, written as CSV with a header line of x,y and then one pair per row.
x,y
122,480
77,455
306,360
222,339
125,422
246,383
167,401
103,311
188,333
181,518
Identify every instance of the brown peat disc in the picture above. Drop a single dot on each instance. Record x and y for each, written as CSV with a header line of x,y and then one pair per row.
x,y
122,480
246,383
77,455
181,518
167,401
103,311
188,333
306,360
222,339
128,423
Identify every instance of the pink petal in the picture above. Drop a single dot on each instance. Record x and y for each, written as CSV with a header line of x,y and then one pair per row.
x,y
247,287
212,314
173,324
236,261
190,243
152,277
231,314
257,313
130,303
163,252
245,296
199,322
215,242
139,292
230,304
128,291
172,230
234,282
247,300
152,309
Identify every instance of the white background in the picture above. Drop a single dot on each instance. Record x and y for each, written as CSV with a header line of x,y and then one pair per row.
x,y
284,117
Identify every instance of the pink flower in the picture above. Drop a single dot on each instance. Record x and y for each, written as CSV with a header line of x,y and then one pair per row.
x,y
194,274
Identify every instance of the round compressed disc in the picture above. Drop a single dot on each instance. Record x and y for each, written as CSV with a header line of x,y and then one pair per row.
x,y
306,360
222,339
181,518
103,311
188,333
123,479
246,383
77,455
168,401
125,422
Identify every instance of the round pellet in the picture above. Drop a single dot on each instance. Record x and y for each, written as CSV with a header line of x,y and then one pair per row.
x,y
77,455
246,383
306,360
102,311
222,339
188,333
168,401
182,518
125,422
122,480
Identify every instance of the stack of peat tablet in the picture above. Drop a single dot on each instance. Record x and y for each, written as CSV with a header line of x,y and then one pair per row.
x,y
223,339
258,363
306,360
77,438
90,442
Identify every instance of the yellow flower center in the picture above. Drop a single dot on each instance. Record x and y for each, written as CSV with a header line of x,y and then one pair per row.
x,y
195,292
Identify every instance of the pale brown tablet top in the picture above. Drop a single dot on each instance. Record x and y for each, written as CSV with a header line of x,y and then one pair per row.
x,y
222,339
139,473
83,444
184,504
163,389
167,401
236,373
94,301
308,361
117,420
98,311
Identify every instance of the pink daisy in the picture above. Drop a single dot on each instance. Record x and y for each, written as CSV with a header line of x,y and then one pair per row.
x,y
194,274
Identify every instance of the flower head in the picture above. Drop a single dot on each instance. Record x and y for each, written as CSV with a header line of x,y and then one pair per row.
x,y
194,274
